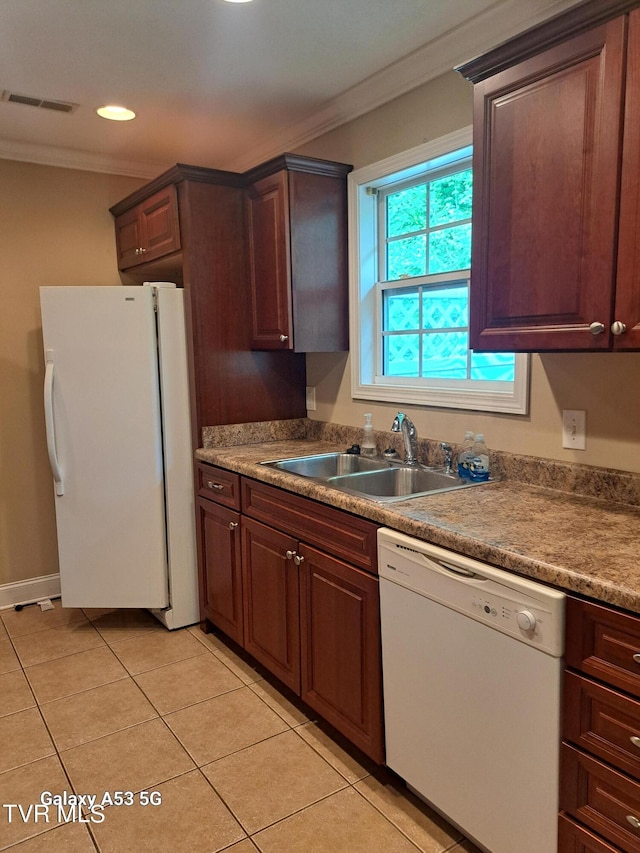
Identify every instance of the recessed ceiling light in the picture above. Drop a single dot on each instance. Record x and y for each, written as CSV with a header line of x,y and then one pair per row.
x,y
114,113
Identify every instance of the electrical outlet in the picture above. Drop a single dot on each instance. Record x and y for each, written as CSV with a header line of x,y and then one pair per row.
x,y
311,398
574,429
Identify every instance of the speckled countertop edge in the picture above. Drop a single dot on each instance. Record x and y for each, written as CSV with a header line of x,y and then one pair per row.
x,y
579,543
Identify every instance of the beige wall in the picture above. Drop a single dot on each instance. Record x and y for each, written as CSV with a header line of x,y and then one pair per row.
x,y
55,229
606,385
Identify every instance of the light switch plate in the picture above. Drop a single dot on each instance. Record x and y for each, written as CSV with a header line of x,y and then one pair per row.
x,y
574,429
311,398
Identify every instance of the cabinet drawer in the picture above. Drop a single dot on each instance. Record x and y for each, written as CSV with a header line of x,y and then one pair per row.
x,y
601,798
338,533
573,838
602,721
218,485
604,643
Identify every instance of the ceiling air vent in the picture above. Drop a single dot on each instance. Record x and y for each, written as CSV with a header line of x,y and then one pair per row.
x,y
44,103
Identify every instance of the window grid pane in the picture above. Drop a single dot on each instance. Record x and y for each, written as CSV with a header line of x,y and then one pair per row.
x,y
426,231
425,332
427,226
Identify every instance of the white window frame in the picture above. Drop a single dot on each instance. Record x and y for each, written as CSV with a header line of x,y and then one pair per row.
x,y
365,311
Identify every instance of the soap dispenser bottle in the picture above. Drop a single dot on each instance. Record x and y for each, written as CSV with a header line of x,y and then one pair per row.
x,y
465,457
368,445
479,465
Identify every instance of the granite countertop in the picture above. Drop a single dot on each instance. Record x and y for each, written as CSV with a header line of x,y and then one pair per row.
x,y
582,543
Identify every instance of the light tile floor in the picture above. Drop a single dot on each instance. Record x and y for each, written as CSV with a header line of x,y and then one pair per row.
x,y
106,701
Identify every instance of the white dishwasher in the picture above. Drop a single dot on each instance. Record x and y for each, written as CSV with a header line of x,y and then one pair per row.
x,y
472,665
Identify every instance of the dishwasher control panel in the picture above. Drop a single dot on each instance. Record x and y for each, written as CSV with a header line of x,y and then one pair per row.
x,y
510,603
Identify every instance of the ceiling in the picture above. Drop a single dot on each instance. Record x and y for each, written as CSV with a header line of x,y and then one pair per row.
x,y
224,85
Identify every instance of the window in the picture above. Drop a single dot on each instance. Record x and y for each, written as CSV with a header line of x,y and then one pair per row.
x,y
410,244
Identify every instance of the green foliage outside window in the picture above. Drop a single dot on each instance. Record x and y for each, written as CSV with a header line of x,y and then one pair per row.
x,y
425,327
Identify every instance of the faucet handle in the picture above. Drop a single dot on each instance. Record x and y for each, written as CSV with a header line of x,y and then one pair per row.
x,y
448,456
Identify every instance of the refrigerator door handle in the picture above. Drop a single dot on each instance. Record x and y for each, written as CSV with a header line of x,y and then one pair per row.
x,y
49,424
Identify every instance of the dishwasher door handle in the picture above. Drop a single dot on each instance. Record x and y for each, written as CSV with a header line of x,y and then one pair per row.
x,y
461,572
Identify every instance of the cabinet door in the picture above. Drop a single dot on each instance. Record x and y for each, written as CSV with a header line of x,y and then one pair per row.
x,y
220,567
270,262
546,165
128,238
271,609
148,231
627,306
340,648
159,224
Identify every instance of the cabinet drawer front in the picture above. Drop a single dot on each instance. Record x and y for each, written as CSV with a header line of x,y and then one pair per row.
x,y
603,721
604,643
573,838
218,485
601,798
343,535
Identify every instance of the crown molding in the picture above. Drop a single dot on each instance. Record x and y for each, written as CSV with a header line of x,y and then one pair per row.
x,y
69,158
484,31
500,22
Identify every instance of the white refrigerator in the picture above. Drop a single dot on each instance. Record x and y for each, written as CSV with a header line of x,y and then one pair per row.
x,y
117,418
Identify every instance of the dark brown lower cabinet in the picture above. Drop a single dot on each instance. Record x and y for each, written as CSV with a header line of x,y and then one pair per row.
x,y
340,647
271,609
220,574
601,798
314,622
295,583
600,758
576,839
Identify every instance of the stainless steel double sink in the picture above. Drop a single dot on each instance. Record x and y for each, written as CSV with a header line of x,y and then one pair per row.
x,y
375,479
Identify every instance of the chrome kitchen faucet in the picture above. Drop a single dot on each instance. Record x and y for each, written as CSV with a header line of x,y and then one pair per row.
x,y
406,427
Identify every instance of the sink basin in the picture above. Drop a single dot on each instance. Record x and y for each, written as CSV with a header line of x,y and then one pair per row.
x,y
394,484
375,479
325,465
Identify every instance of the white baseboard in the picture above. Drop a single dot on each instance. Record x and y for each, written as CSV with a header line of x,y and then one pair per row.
x,y
28,591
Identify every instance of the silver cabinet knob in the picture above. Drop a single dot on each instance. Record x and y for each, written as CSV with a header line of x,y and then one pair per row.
x,y
635,740
212,485
596,328
636,657
290,555
233,525
618,328
634,821
297,560
284,338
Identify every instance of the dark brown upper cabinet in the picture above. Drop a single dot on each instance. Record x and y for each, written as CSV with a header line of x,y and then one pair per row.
x,y
296,213
229,383
148,231
556,257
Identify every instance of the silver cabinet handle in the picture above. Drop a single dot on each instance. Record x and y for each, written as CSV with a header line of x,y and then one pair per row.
x,y
212,485
634,821
596,328
297,560
284,338
636,657
635,740
618,328
233,525
290,555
